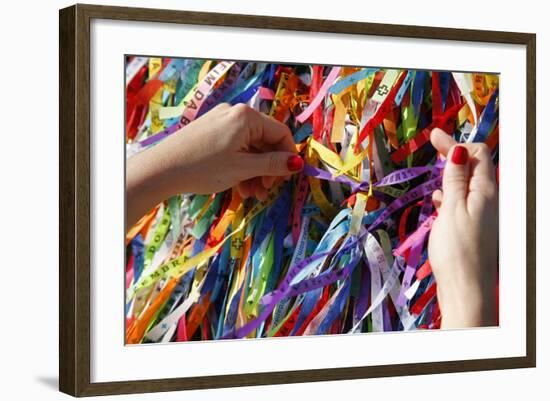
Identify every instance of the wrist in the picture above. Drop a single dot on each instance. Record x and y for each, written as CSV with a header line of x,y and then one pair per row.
x,y
148,182
467,306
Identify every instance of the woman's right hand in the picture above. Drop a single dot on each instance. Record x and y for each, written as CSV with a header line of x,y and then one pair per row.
x,y
463,243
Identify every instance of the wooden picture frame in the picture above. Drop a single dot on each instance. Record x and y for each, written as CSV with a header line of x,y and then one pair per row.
x,y
74,199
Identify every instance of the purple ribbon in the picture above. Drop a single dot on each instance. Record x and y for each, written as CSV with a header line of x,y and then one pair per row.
x,y
422,190
161,135
285,289
272,299
396,177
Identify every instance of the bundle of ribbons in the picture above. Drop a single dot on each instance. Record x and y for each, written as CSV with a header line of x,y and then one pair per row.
x,y
339,248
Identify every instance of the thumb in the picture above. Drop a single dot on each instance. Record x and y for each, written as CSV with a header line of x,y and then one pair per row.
x,y
456,176
271,164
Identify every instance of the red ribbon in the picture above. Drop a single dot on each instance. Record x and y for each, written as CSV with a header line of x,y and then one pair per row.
x,y
383,110
424,299
445,122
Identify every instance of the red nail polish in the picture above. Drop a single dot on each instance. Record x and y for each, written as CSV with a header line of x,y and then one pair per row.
x,y
295,163
460,155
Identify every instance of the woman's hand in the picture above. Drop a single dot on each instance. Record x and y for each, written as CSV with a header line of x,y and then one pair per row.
x,y
228,146
463,243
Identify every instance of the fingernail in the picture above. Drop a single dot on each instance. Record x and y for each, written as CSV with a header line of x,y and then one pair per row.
x,y
295,163
460,155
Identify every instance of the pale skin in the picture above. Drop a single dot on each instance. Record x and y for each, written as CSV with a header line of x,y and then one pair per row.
x,y
236,146
463,243
227,147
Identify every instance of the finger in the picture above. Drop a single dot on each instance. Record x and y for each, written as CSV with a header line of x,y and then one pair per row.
x,y
482,164
456,177
245,189
259,191
482,180
480,156
441,141
268,181
270,164
437,199
276,133
482,173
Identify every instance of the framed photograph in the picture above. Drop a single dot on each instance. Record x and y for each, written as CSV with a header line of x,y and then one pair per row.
x,y
250,200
